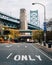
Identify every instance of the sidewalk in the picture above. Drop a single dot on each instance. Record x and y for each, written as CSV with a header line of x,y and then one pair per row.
x,y
45,49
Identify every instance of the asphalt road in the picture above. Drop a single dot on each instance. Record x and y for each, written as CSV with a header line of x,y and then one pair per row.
x,y
23,54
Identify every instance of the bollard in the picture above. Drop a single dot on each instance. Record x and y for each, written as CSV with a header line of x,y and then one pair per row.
x,y
49,45
44,43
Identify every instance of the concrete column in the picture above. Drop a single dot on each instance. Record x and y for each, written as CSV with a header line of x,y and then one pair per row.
x,y
23,19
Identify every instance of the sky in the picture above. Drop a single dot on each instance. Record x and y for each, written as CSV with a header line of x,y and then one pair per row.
x,y
12,8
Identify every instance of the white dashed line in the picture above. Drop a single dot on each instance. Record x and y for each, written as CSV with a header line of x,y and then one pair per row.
x,y
25,46
9,46
9,55
42,53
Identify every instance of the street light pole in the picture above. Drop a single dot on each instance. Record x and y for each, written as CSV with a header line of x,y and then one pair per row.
x,y
44,20
44,10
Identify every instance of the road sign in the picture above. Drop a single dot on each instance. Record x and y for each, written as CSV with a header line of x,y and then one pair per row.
x,y
45,26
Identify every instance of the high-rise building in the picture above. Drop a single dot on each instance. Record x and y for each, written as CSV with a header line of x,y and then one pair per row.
x,y
23,19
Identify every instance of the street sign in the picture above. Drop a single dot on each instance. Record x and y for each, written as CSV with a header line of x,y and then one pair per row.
x,y
45,26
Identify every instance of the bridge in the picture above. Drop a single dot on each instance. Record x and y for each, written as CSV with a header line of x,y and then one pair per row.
x,y
7,20
33,27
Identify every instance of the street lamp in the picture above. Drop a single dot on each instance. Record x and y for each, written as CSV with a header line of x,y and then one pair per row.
x,y
44,10
44,19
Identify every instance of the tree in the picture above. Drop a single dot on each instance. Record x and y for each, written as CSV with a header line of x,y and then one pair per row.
x,y
37,35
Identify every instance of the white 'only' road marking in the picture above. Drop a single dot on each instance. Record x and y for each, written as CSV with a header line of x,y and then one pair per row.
x,y
42,52
26,57
9,55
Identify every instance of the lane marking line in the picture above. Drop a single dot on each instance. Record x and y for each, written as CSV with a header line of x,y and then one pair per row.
x,y
42,53
9,46
25,46
9,55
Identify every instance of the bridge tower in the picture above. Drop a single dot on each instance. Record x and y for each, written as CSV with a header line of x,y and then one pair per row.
x,y
34,18
23,19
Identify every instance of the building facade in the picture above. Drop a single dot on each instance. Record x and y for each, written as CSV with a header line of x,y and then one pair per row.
x,y
49,25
